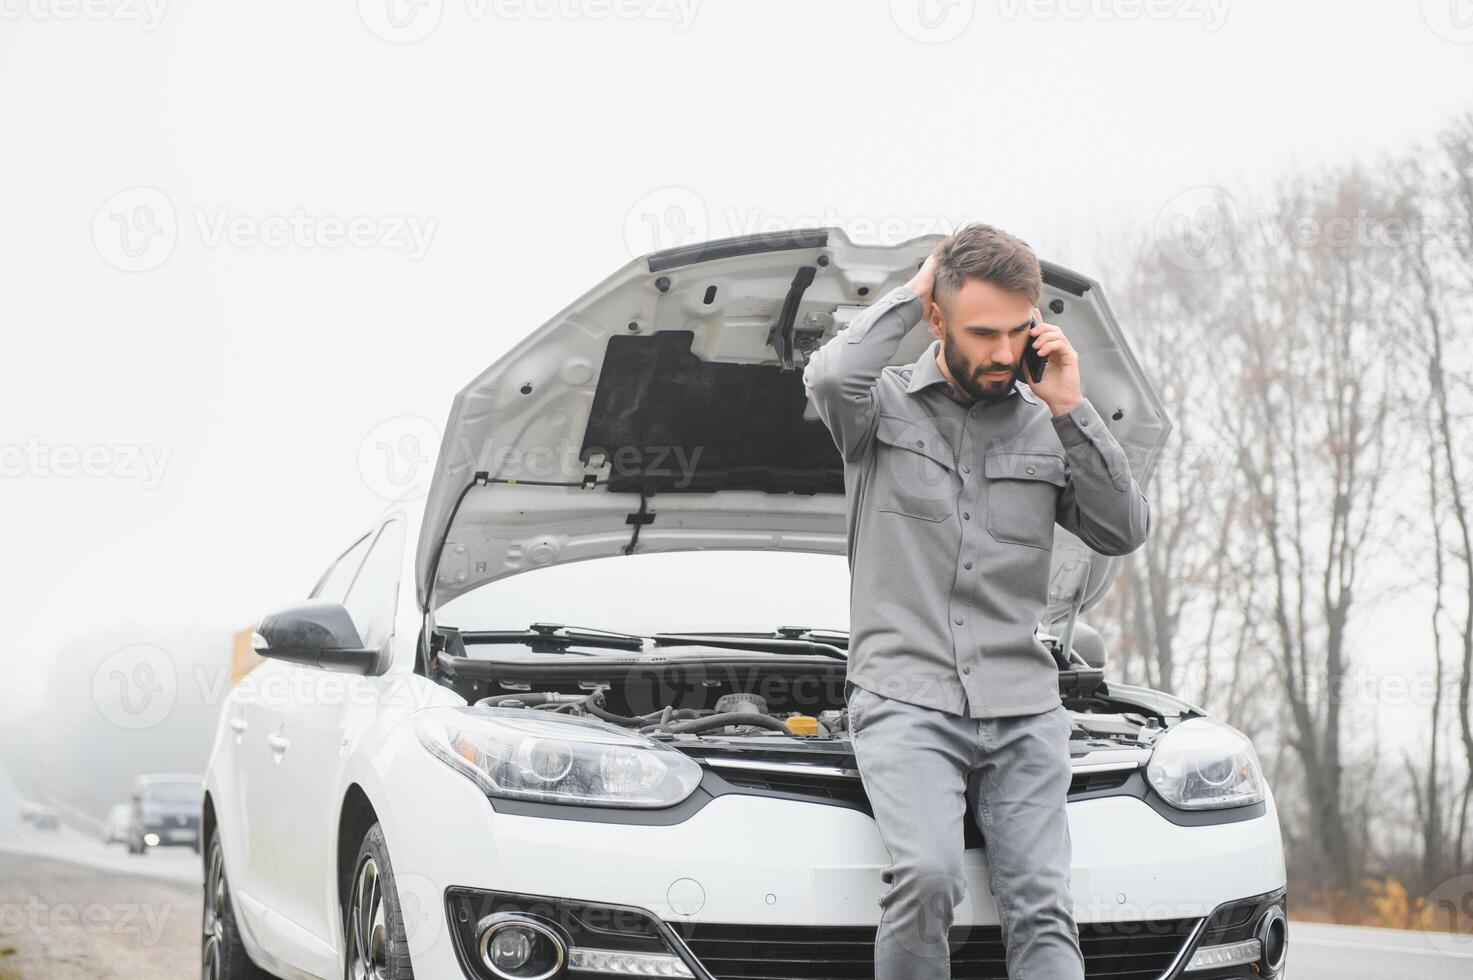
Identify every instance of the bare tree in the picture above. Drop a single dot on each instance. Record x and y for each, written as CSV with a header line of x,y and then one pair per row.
x,y
1313,340
1439,252
1182,577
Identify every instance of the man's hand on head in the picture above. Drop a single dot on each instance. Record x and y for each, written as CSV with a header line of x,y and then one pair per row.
x,y
1060,388
923,284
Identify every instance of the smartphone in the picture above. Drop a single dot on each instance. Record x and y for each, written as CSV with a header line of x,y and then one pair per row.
x,y
1032,359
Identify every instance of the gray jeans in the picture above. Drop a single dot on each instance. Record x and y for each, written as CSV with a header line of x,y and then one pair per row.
x,y
917,765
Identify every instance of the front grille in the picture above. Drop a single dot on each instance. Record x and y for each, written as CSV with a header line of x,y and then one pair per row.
x,y
1119,951
849,791
838,789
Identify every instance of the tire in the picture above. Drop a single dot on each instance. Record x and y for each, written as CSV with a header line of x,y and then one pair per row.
x,y
133,847
222,954
376,946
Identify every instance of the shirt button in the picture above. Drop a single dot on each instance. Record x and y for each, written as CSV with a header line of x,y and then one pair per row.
x,y
966,468
920,442
967,565
966,668
966,516
957,620
1031,470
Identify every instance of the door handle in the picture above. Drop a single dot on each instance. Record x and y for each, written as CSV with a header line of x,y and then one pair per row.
x,y
278,743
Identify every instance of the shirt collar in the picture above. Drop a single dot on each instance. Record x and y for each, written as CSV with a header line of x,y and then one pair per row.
x,y
925,372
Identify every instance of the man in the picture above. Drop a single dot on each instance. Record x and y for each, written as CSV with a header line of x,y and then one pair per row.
x,y
956,468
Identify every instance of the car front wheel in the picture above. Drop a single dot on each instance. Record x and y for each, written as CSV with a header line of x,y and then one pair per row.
x,y
222,954
373,924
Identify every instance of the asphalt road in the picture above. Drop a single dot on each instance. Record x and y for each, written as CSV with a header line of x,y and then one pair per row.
x,y
73,908
1322,952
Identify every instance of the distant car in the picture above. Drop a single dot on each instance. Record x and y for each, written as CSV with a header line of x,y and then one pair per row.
x,y
43,817
164,812
115,829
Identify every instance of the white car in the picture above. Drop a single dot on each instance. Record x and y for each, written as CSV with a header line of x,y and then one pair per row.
x,y
116,828
579,710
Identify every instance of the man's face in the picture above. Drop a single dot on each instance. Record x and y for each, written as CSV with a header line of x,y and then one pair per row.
x,y
983,330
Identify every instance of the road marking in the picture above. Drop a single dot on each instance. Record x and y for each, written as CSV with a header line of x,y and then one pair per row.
x,y
1382,949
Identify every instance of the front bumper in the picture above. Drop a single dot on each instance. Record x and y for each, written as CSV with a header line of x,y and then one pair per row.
x,y
768,865
626,941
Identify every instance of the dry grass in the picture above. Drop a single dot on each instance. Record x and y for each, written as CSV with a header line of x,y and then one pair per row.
x,y
1383,904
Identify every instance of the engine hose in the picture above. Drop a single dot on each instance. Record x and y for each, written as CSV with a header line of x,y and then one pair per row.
x,y
723,720
598,710
529,699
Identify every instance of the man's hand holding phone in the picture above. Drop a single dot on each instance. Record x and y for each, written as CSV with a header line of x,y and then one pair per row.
x,y
1059,388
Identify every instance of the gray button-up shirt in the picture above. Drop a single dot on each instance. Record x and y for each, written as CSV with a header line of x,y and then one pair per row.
x,y
951,510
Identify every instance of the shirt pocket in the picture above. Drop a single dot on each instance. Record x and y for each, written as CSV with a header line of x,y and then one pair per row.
x,y
1023,496
914,470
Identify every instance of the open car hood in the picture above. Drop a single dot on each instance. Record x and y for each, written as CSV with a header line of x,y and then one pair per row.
x,y
665,410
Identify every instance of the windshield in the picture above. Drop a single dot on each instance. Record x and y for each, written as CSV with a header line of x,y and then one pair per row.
x,y
666,592
173,792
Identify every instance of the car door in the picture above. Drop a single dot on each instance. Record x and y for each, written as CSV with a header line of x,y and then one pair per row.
x,y
262,707
317,734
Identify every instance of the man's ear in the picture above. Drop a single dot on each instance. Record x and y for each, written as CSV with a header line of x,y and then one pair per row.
x,y
934,319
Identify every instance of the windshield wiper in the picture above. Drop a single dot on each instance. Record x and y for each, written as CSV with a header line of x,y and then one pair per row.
x,y
545,637
778,642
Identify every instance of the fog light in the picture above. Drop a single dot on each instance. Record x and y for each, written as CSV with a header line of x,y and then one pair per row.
x,y
1273,934
519,947
152,840
1233,954
621,964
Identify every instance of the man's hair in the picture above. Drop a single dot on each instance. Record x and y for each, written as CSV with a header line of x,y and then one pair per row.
x,y
983,252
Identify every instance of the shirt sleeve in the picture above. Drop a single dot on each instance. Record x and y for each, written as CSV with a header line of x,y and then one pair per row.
x,y
1101,502
840,376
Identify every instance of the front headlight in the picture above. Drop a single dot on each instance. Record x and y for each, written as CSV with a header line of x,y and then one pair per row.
x,y
1203,764
531,755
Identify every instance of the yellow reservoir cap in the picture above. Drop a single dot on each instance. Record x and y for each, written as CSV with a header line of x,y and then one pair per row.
x,y
803,725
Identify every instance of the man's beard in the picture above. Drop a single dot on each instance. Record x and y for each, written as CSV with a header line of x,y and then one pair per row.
x,y
966,374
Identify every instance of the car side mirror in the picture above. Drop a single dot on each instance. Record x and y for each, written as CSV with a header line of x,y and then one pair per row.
x,y
316,634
